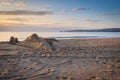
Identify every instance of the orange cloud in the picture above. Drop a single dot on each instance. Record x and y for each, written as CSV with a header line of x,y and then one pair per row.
x,y
13,3
20,4
5,3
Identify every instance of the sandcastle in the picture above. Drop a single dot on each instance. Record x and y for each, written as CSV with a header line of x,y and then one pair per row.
x,y
36,42
13,40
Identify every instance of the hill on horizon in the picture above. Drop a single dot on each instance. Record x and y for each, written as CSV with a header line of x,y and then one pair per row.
x,y
95,30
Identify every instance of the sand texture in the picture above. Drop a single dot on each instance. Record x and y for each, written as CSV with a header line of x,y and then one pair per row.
x,y
71,59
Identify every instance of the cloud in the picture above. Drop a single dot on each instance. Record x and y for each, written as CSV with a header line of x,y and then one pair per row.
x,y
114,13
92,20
63,11
18,19
13,3
20,4
5,3
23,27
25,12
79,9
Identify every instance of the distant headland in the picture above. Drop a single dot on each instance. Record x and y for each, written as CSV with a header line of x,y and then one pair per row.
x,y
95,30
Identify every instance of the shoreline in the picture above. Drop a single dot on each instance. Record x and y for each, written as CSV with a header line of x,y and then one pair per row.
x,y
69,38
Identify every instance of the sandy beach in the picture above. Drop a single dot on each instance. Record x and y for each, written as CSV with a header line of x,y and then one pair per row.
x,y
70,59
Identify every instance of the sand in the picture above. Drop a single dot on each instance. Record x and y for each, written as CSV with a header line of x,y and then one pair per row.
x,y
73,59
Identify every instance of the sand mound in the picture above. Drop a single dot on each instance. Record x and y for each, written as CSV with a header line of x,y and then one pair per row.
x,y
36,42
13,40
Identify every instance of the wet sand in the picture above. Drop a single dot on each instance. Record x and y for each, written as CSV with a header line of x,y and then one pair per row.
x,y
73,59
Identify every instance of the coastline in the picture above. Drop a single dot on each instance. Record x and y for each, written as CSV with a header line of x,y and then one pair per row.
x,y
73,59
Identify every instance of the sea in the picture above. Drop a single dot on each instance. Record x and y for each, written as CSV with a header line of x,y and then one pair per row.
x,y
5,36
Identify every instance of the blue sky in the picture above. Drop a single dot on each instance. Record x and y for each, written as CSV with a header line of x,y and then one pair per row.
x,y
56,15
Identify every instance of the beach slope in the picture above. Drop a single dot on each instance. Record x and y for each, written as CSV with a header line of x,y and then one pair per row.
x,y
72,59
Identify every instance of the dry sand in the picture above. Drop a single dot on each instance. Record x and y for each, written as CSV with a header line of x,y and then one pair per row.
x,y
73,59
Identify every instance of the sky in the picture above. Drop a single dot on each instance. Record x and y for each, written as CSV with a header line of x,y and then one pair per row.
x,y
57,15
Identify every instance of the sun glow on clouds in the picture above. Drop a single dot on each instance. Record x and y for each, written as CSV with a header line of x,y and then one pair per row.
x,y
14,13
12,20
12,3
